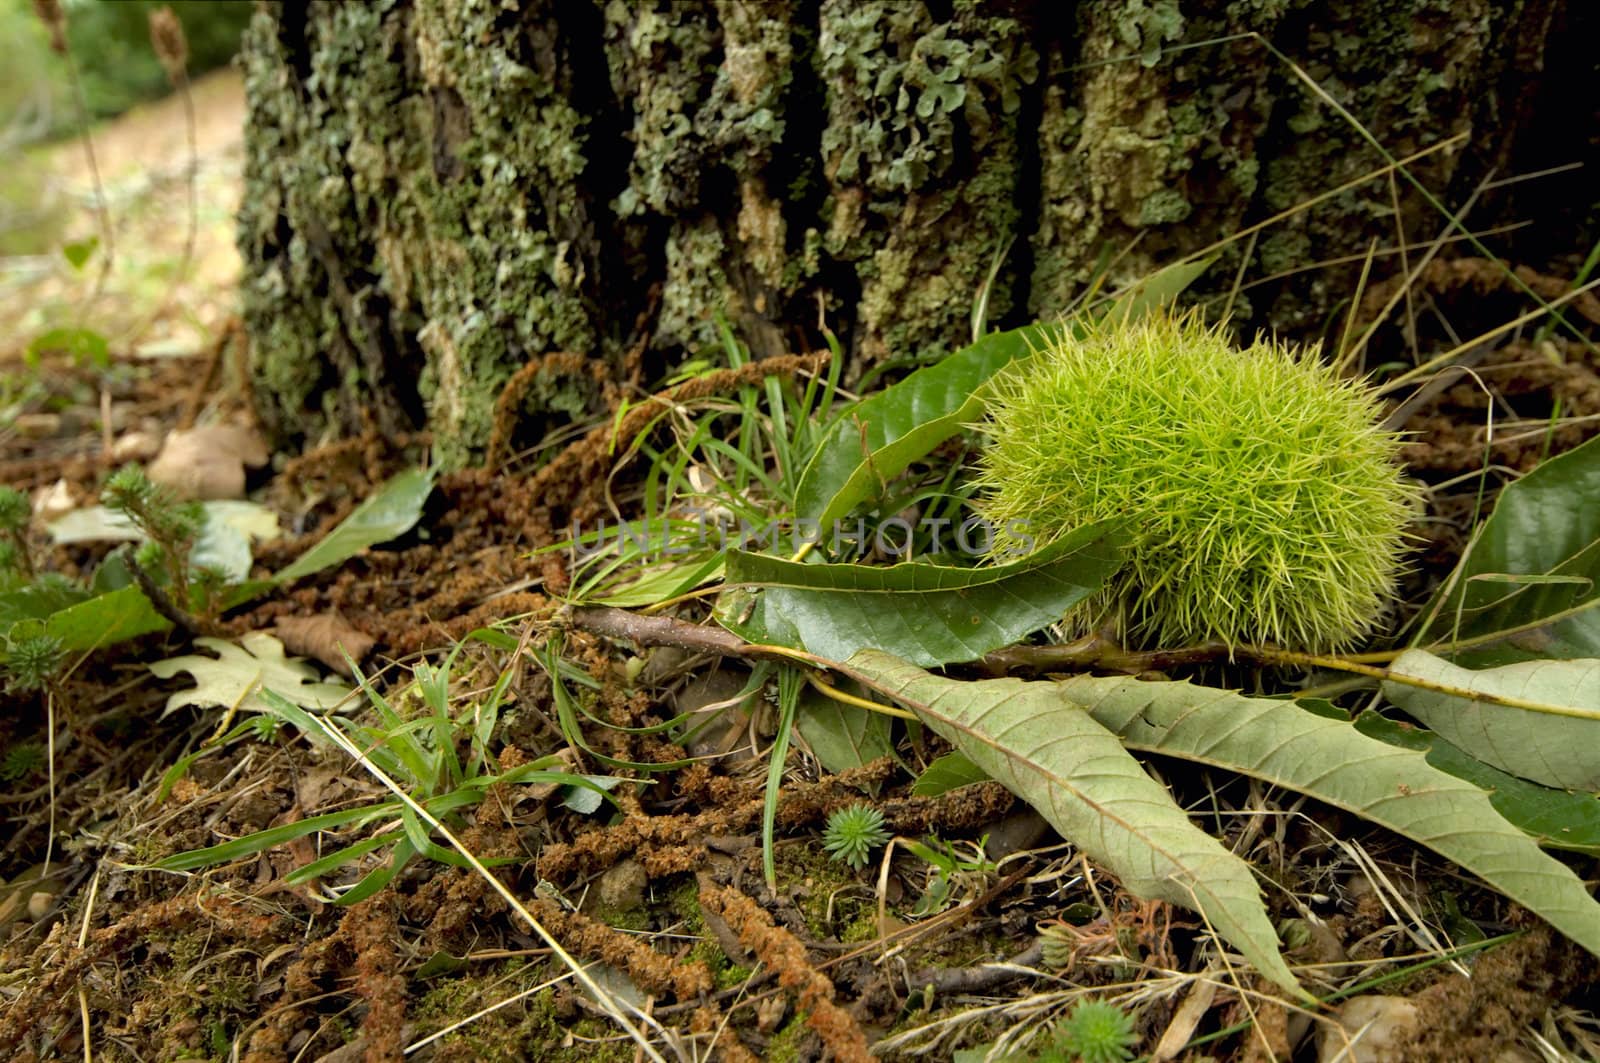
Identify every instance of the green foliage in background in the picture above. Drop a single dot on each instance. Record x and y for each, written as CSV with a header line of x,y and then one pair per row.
x,y
110,39
110,43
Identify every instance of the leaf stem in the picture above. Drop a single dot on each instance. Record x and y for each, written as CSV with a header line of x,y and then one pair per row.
x,y
850,699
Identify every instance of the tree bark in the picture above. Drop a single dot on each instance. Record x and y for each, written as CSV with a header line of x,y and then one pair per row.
x,y
440,191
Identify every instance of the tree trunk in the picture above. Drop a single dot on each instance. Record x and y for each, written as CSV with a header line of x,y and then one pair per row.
x,y
439,191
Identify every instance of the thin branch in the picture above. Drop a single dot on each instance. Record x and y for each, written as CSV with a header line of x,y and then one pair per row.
x,y
1090,653
1100,653
164,604
667,631
982,978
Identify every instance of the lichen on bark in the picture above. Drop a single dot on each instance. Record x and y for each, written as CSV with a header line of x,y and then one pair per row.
x,y
923,161
441,170
1154,153
440,191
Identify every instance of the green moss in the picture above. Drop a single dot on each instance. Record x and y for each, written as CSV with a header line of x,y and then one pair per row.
x,y
1244,174
657,57
1145,26
696,287
1284,250
529,1029
723,970
1121,141
819,882
732,974
1305,121
784,1046
623,918
684,902
1107,146
448,996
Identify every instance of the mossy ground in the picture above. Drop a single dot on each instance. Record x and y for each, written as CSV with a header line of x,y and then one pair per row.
x,y
535,1027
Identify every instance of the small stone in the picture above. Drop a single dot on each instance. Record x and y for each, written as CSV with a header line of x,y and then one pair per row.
x,y
1367,1029
717,726
55,501
621,888
1018,831
136,446
40,903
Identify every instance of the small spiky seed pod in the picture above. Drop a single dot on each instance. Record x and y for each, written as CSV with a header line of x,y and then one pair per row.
x,y
55,20
1263,501
1059,946
170,44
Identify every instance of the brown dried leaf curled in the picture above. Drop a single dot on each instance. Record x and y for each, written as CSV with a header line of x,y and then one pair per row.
x,y
327,637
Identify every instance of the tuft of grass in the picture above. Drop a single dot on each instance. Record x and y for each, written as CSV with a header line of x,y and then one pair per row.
x,y
1095,1032
22,761
1264,501
432,742
853,832
32,656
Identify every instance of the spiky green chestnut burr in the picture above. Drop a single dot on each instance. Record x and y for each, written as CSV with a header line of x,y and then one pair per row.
x,y
1264,502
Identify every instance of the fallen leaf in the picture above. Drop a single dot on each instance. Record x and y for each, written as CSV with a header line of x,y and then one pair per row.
x,y
1185,1021
230,529
322,785
224,543
392,511
238,674
93,524
208,462
1552,748
566,760
251,518
327,637
715,719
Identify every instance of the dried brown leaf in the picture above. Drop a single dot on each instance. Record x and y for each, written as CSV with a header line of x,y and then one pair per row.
x,y
208,462
327,637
